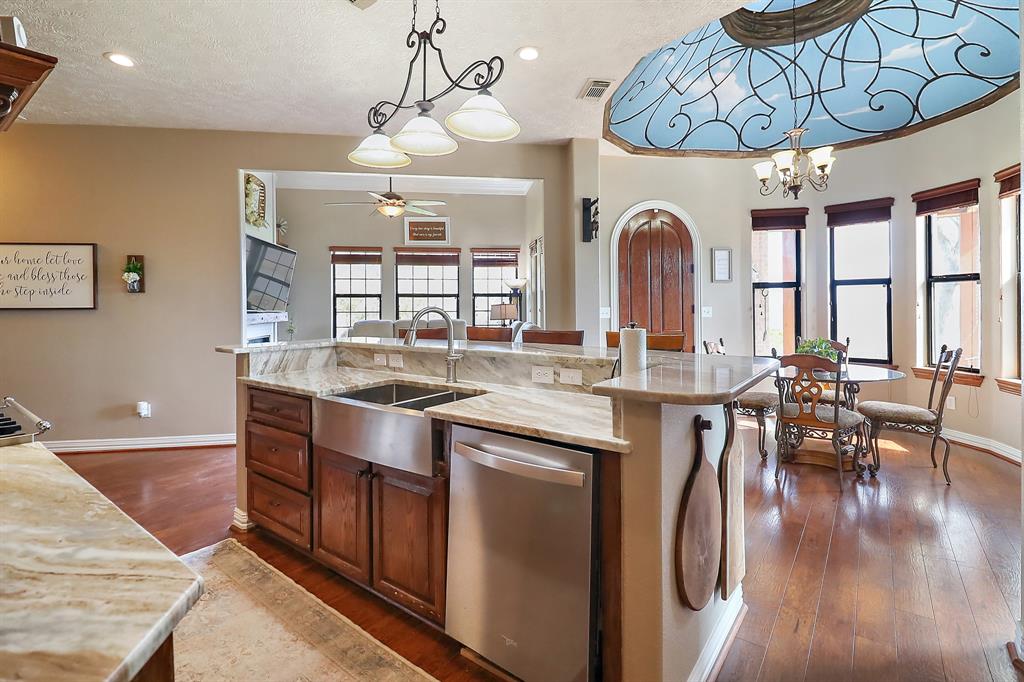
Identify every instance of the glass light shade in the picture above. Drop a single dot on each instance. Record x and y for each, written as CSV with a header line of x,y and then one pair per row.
x,y
518,283
820,156
423,136
390,210
784,160
376,151
482,118
764,169
828,165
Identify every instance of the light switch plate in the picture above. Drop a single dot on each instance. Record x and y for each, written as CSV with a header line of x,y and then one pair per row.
x,y
543,375
606,313
951,403
380,359
705,311
573,377
395,360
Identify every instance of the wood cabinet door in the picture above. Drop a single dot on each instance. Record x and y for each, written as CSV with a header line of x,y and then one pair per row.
x,y
410,537
341,508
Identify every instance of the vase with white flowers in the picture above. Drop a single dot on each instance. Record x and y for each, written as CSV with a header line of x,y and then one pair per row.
x,y
132,276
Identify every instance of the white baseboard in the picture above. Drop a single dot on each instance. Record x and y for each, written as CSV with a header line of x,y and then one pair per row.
x,y
983,443
151,442
241,520
719,638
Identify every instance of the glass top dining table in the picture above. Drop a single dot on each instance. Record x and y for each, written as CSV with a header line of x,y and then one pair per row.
x,y
853,375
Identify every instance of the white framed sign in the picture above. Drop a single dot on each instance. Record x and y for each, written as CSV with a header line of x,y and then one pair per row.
x,y
427,231
47,276
721,264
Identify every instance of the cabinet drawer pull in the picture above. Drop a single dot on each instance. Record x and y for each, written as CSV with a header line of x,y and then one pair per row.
x,y
360,473
275,503
273,449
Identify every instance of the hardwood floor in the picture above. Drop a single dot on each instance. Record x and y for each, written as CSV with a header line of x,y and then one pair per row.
x,y
897,578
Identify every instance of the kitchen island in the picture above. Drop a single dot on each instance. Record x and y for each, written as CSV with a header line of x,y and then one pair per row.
x,y
639,431
85,592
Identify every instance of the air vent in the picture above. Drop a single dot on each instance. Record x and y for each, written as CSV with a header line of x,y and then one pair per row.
x,y
361,4
594,89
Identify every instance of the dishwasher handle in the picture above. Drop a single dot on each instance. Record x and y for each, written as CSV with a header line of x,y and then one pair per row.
x,y
484,457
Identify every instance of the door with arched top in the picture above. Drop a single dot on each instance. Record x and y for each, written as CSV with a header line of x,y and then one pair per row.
x,y
655,267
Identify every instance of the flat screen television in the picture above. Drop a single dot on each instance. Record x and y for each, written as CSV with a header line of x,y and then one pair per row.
x,y
268,275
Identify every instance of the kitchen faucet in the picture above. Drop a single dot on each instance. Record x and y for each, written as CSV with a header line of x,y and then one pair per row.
x,y
452,357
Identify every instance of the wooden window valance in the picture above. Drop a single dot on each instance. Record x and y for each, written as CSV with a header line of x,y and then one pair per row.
x,y
859,212
418,255
496,257
370,255
948,196
1009,180
779,218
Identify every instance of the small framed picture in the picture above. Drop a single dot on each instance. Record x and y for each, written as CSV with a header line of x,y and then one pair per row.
x,y
427,231
721,264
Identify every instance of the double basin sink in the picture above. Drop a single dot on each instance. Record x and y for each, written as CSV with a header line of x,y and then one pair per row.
x,y
385,424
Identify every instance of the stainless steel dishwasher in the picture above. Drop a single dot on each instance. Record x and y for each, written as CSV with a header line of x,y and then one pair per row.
x,y
520,549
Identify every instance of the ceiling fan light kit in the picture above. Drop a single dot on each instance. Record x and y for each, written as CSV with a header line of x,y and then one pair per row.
x,y
481,117
390,204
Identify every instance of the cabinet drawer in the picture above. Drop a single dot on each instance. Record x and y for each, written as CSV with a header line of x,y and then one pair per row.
x,y
281,510
280,455
277,409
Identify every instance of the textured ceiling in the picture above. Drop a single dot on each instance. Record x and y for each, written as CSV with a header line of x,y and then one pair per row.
x,y
315,66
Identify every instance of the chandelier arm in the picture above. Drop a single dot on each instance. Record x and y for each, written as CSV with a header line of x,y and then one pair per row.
x,y
379,114
765,191
485,73
820,184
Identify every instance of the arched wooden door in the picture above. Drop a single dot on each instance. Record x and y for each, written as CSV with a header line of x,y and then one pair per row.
x,y
655,263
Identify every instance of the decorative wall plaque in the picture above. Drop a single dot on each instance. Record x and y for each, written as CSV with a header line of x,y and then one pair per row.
x,y
427,231
47,276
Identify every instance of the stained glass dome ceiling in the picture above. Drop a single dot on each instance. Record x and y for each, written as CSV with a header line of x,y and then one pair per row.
x,y
866,70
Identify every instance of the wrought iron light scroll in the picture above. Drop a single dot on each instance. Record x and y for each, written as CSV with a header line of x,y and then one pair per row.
x,y
480,118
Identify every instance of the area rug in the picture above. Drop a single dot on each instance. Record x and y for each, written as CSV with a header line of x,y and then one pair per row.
x,y
255,623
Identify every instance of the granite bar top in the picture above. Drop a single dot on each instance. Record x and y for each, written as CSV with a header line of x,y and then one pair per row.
x,y
572,418
271,347
85,592
690,379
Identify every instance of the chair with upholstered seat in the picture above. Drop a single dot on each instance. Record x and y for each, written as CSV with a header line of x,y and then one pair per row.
x,y
802,412
756,404
828,396
899,417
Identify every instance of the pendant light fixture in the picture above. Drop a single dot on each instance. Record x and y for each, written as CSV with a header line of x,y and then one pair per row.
x,y
481,117
793,166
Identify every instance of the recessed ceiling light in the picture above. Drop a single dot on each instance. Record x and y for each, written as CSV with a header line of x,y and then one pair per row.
x,y
119,59
528,54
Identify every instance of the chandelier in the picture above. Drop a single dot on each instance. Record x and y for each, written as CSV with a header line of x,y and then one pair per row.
x,y
481,117
793,166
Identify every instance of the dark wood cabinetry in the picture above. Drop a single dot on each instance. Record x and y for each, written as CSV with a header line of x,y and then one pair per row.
x,y
409,539
281,510
22,71
283,411
341,513
280,455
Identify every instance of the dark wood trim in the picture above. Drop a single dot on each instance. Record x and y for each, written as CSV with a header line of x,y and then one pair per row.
x,y
495,249
806,22
779,218
427,255
160,666
960,378
964,193
370,255
25,70
1009,180
1011,386
610,510
855,212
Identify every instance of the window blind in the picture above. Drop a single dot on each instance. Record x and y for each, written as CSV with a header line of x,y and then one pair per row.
x,y
1009,181
779,218
948,196
418,255
496,257
859,212
370,255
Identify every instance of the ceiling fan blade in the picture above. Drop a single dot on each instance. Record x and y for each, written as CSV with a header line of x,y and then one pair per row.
x,y
351,203
425,202
377,196
420,211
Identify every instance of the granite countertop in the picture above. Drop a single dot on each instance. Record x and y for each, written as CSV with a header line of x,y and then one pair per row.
x,y
83,588
690,379
572,418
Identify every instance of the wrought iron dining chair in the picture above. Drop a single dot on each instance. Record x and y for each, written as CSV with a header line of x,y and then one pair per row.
x,y
829,395
910,418
802,413
756,404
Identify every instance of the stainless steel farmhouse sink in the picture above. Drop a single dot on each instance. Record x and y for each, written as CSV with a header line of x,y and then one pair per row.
x,y
384,424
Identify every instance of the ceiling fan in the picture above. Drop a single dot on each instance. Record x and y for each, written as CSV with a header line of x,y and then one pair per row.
x,y
392,205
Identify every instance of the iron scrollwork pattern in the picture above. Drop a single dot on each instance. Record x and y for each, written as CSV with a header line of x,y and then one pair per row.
x,y
897,65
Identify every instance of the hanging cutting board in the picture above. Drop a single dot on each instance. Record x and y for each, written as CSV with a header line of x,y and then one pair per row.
x,y
698,547
730,475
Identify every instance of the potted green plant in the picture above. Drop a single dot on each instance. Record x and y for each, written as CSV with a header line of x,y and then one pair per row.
x,y
820,346
132,276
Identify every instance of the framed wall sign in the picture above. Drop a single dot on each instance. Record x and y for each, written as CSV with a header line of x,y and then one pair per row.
x,y
427,231
47,276
721,264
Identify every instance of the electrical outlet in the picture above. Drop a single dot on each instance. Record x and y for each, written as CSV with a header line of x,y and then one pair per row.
x,y
144,409
380,359
951,403
705,311
395,360
573,377
543,375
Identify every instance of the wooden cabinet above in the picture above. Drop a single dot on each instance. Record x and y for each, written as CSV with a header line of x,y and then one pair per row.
x,y
21,73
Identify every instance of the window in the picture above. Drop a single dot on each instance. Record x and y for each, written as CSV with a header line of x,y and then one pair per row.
x,y
426,277
356,284
491,269
860,277
776,273
1009,199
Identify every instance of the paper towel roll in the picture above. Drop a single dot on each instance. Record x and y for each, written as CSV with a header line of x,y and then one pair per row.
x,y
633,349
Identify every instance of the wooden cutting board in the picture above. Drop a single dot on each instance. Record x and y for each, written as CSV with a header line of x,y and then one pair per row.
x,y
698,546
730,474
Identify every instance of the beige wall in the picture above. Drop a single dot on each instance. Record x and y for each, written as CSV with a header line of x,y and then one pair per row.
x,y
312,227
718,195
172,195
